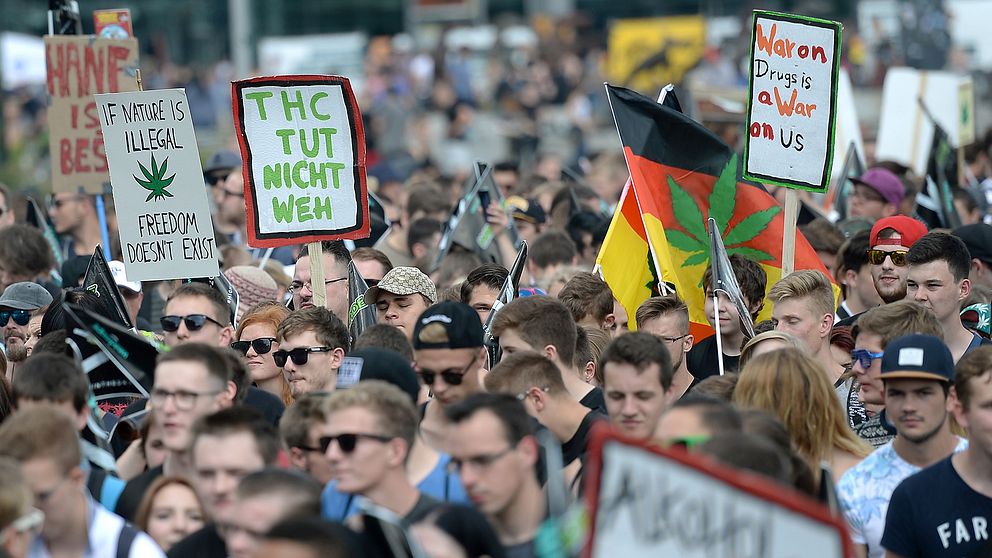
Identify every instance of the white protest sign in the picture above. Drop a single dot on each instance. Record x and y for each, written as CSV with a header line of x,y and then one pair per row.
x,y
792,100
848,128
651,502
304,150
162,209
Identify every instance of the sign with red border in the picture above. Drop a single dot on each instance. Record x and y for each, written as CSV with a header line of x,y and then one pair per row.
x,y
303,147
649,501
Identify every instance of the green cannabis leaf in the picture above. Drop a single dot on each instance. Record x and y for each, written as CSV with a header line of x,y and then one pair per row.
x,y
155,180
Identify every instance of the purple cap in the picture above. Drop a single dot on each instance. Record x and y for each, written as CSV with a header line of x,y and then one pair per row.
x,y
885,182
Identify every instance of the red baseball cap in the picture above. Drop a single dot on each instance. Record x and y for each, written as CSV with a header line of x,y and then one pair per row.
x,y
910,230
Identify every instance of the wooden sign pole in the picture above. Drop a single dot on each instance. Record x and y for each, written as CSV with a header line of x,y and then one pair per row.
x,y
789,234
316,254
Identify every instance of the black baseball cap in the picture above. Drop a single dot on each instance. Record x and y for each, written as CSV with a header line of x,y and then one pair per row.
x,y
373,363
461,324
978,239
921,357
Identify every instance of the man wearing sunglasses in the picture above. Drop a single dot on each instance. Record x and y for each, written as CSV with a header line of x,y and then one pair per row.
x,y
938,279
312,344
917,372
335,257
44,441
402,295
890,240
874,330
75,219
18,304
449,351
196,312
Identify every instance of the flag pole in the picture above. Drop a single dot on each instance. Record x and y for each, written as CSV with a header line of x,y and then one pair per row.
x,y
789,234
719,335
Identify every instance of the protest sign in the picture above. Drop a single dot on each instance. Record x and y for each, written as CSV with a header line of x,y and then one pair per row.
x,y
647,501
646,53
792,100
162,209
78,67
112,24
303,147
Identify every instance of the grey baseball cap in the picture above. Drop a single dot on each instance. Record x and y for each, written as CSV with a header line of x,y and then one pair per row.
x,y
25,296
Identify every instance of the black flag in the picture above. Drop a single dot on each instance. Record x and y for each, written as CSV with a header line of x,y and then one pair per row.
x,y
507,293
361,316
99,281
724,279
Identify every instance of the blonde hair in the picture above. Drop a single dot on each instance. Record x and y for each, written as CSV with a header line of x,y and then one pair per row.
x,y
15,496
393,410
794,387
806,283
747,352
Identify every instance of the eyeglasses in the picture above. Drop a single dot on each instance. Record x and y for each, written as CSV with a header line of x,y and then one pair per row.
x,y
864,357
215,179
262,345
867,193
299,355
451,376
348,442
21,317
297,285
523,394
184,399
194,322
688,442
477,462
672,339
877,257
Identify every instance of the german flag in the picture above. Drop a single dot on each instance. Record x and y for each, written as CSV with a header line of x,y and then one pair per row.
x,y
681,174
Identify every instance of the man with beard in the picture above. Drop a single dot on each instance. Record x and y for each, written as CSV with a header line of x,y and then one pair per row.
x,y
917,372
19,303
335,257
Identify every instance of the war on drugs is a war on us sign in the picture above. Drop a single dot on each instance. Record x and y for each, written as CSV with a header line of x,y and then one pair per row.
x,y
162,208
303,147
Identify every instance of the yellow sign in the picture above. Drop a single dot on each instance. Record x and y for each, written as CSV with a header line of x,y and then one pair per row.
x,y
647,54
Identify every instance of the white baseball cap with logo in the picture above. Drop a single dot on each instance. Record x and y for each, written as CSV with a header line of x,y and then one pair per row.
x,y
117,270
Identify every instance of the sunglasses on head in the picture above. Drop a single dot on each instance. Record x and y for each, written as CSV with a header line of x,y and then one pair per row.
x,y
262,345
194,322
348,442
21,317
864,357
877,257
299,356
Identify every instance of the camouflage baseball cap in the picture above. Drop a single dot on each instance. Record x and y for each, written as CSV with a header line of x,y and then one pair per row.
x,y
403,281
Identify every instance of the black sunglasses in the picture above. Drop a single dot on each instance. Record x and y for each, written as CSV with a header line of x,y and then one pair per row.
x,y
21,317
262,345
194,322
299,356
451,376
348,442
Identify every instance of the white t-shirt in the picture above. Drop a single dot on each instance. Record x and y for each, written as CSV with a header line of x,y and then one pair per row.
x,y
864,493
104,530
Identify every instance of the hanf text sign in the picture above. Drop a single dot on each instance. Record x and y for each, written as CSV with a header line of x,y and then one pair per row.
x,y
303,147
162,208
792,100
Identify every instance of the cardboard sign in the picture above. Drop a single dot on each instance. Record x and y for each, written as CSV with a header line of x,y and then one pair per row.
x,y
303,147
646,501
792,100
78,67
162,209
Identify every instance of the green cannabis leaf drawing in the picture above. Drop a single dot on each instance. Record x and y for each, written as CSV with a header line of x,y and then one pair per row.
x,y
155,181
694,239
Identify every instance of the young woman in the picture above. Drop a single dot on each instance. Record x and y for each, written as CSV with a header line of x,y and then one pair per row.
x,y
256,341
170,511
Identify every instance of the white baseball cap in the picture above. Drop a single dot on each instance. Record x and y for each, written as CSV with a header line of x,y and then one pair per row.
x,y
117,270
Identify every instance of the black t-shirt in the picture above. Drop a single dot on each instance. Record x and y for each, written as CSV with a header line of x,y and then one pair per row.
x,y
134,491
594,400
205,543
424,506
935,514
702,360
575,447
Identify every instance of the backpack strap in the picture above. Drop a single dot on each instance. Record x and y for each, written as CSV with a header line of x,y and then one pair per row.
x,y
125,539
94,482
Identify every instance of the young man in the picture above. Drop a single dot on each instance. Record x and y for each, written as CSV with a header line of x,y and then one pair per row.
x,y
197,312
917,372
191,381
43,440
551,251
637,376
335,257
534,380
300,432
262,500
449,353
890,240
945,509
667,318
372,264
694,419
804,307
370,430
875,329
590,301
225,446
493,448
877,194
854,277
75,220
702,358
312,344
938,279
402,295
978,239
542,324
481,288
19,303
